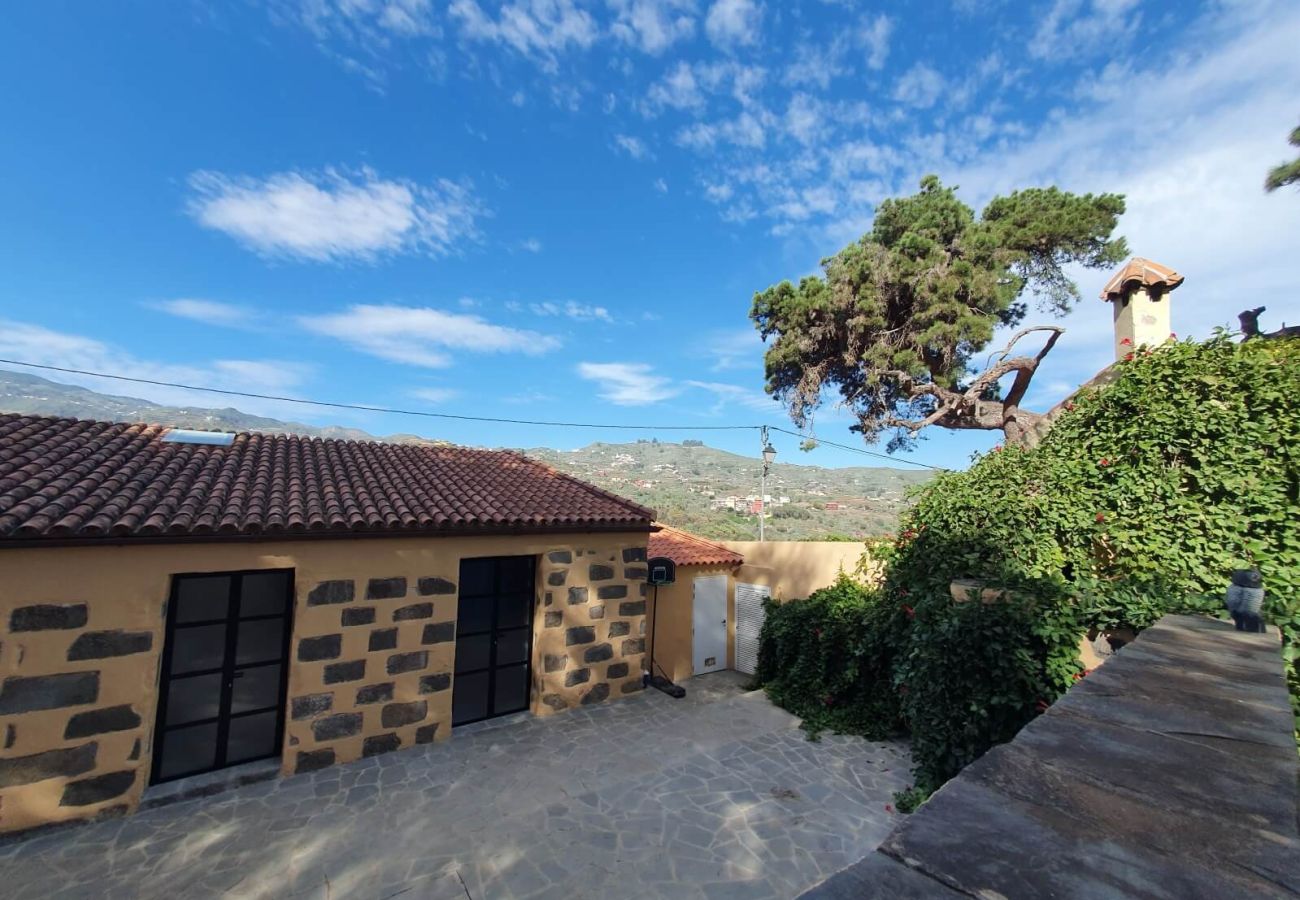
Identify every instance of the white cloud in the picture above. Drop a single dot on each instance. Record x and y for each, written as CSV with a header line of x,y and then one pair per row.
x,y
652,25
373,20
875,36
628,384
573,310
746,130
209,312
1080,27
532,245
45,346
730,396
678,89
421,336
805,119
731,348
435,395
633,146
661,186
732,23
540,29
335,216
920,86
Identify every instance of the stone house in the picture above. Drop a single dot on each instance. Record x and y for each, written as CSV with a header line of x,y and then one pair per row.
x,y
174,603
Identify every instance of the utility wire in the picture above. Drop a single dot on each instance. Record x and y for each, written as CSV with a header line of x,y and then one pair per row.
x,y
435,415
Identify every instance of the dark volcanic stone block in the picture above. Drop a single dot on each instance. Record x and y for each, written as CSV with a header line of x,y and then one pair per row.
x,y
359,615
339,725
98,789
577,676
560,557
102,721
553,619
108,644
597,693
580,634
48,616
63,763
555,701
596,612
425,734
632,646
439,633
383,639
634,554
598,572
577,595
380,743
619,629
558,577
353,670
617,670
395,715
385,588
430,587
432,684
311,705
313,760
313,649
598,653
612,592
375,693
632,608
631,687
408,662
414,611
329,592
635,573
21,694
554,662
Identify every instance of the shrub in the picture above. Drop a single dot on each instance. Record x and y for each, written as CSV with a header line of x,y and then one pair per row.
x,y
1140,501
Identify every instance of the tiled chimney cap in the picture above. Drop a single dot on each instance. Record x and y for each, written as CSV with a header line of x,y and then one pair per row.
x,y
1140,272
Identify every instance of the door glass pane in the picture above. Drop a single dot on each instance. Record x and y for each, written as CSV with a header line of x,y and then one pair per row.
x,y
192,749
477,577
473,653
198,647
255,688
259,641
194,698
251,737
517,574
512,690
473,614
513,610
512,646
202,598
263,594
469,699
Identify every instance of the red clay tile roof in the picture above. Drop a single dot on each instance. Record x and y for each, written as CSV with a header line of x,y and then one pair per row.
x,y
1143,273
73,480
689,550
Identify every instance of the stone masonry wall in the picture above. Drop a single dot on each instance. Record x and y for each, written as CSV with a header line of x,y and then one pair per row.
x,y
589,636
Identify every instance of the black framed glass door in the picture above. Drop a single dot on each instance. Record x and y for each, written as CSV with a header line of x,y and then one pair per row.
x,y
494,637
224,671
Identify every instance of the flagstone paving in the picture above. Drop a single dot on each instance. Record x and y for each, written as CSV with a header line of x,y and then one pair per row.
x,y
718,795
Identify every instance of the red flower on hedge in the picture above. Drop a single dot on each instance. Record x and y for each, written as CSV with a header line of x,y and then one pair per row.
x,y
911,613
1128,357
1101,517
1103,462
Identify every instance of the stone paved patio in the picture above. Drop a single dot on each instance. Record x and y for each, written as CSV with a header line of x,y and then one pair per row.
x,y
714,796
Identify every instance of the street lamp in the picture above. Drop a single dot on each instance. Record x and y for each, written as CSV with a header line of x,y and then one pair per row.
x,y
769,454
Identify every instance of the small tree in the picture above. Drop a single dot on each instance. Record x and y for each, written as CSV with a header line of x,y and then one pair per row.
x,y
1287,173
900,315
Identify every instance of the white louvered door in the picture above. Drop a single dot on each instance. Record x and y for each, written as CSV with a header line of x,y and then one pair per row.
x,y
749,623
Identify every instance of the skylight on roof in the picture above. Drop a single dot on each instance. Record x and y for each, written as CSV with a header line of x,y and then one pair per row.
x,y
189,436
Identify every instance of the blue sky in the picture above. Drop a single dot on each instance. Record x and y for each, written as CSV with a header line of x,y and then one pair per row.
x,y
561,209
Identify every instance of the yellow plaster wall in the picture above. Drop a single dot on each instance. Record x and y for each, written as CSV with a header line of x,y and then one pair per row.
x,y
673,650
794,569
125,589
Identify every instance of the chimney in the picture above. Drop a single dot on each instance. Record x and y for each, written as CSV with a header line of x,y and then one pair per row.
x,y
1139,293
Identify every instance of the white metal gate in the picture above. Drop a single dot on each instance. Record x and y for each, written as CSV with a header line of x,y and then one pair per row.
x,y
749,623
709,652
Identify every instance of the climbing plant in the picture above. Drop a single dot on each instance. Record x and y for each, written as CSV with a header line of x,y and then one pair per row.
x,y
1140,501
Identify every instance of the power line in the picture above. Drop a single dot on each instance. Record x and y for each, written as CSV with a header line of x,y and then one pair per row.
x,y
460,418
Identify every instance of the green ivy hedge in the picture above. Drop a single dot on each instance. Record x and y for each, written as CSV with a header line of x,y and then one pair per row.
x,y
1140,501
